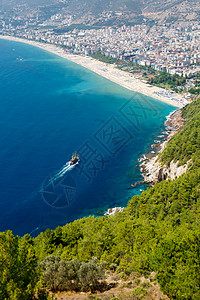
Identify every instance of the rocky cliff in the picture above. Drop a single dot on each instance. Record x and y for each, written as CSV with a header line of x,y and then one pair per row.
x,y
153,170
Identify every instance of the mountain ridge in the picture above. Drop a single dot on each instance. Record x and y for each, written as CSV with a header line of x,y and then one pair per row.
x,y
84,11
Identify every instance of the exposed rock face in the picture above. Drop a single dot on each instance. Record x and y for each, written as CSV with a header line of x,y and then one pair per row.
x,y
172,171
113,211
153,170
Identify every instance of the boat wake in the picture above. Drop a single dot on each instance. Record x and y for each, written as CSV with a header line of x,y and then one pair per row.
x,y
66,168
52,179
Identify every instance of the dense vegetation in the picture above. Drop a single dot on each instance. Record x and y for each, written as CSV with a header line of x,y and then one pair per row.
x,y
107,59
185,145
195,91
164,79
158,231
72,275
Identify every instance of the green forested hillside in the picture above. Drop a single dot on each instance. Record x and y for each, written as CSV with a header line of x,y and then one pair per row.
x,y
185,145
158,231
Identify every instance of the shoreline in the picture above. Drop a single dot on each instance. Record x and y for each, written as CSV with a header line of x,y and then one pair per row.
x,y
151,168
110,72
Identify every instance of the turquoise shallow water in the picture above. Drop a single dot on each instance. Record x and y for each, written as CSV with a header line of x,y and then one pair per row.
x,y
50,107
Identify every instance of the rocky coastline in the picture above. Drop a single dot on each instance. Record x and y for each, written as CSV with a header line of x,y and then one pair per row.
x,y
113,211
151,168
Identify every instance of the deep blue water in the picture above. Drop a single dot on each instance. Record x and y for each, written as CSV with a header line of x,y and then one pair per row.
x,y
50,107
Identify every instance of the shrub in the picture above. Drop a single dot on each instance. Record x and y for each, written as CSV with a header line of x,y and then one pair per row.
x,y
55,276
123,276
140,292
128,284
137,281
59,275
146,284
113,267
90,273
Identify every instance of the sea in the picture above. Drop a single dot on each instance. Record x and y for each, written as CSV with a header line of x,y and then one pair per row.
x,y
51,108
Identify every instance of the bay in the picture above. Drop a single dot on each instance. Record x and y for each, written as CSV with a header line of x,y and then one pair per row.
x,y
50,108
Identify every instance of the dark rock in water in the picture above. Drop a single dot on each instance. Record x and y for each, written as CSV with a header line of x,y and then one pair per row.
x,y
133,185
153,146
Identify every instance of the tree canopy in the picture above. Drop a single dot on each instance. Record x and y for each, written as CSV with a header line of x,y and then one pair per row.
x,y
157,231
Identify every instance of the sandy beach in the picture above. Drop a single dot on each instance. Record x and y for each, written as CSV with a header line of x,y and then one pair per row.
x,y
110,72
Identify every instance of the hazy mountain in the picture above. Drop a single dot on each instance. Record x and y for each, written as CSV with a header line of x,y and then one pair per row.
x,y
84,11
160,10
96,6
13,3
